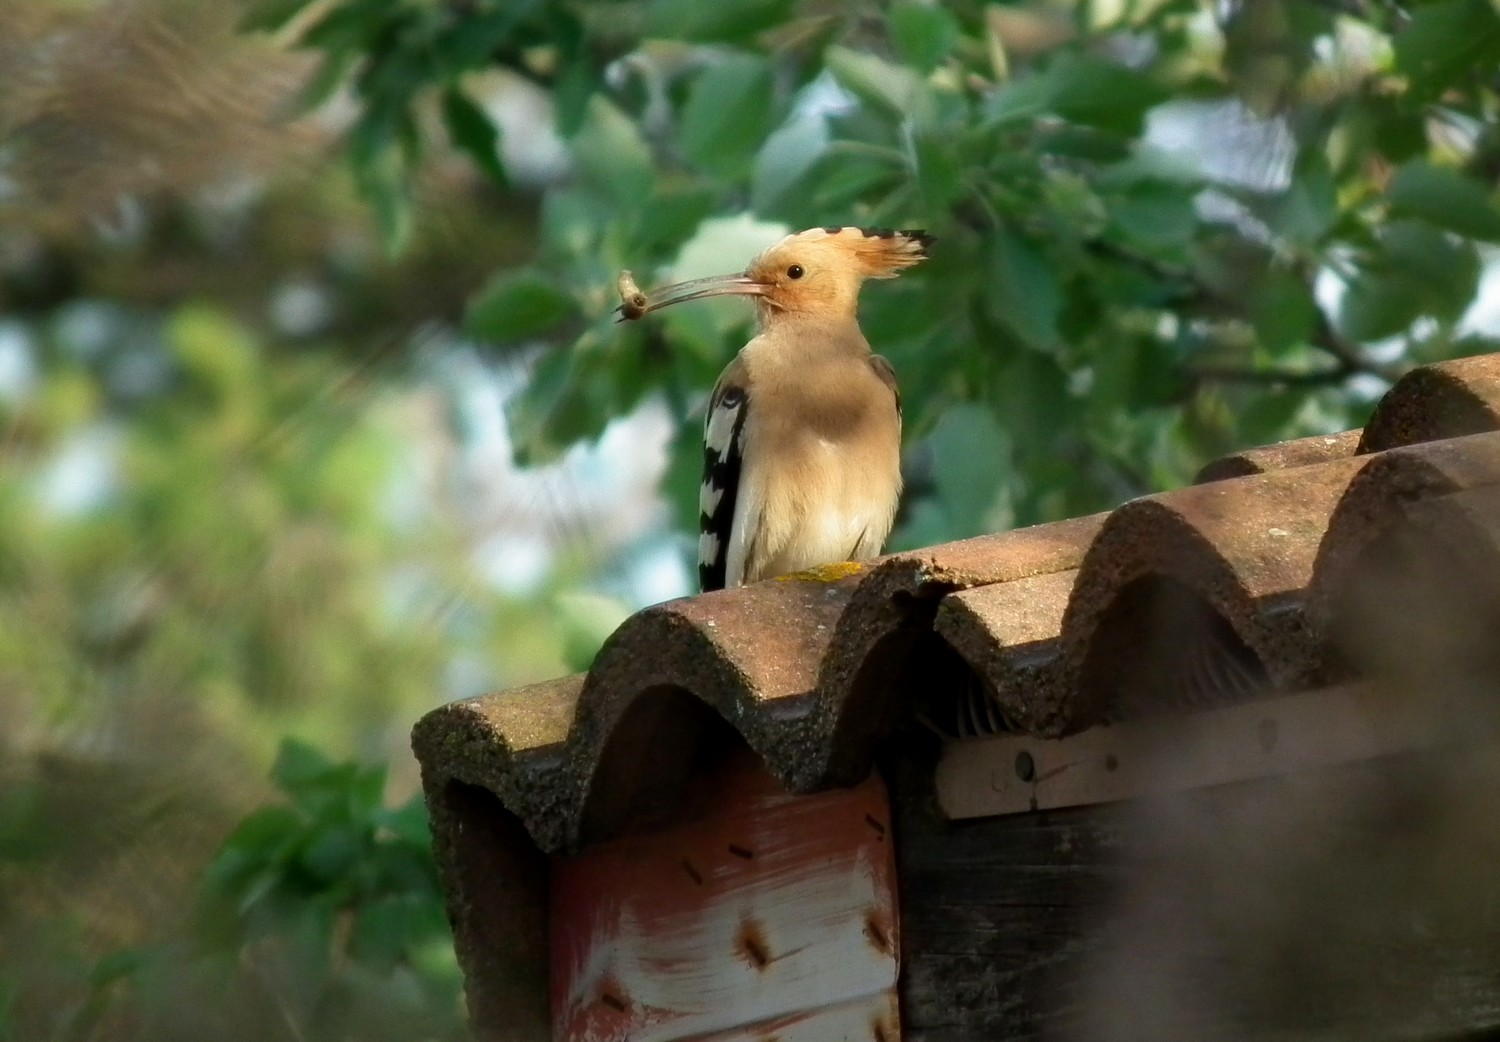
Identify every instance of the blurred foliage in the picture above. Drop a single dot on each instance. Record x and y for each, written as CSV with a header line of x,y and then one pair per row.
x,y
1123,310
231,565
201,555
319,918
236,503
335,900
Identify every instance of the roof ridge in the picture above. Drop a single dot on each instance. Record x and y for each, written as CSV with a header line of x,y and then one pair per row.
x,y
811,671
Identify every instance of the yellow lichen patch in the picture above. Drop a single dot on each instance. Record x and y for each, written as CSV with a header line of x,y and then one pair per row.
x,y
826,573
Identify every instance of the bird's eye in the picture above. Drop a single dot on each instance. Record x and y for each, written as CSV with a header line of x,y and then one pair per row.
x,y
794,272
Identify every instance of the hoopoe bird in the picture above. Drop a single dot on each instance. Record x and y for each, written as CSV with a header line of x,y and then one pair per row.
x,y
802,441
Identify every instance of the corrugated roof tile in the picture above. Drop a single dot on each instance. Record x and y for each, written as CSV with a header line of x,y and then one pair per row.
x,y
1421,600
1243,547
511,744
812,671
1443,400
894,606
1379,498
1009,634
1301,452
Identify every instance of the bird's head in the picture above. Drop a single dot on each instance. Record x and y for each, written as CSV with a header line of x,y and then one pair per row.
x,y
816,272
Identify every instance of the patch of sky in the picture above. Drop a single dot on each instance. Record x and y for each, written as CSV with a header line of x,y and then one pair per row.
x,y
18,369
83,474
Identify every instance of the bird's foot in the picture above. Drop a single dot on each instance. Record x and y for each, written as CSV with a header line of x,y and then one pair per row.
x,y
827,573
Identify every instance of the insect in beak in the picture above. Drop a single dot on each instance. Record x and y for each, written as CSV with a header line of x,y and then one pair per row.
x,y
634,303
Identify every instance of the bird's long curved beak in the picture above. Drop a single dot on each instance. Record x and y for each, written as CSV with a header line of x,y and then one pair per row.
x,y
739,284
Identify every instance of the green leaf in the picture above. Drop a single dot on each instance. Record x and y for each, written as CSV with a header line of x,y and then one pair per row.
x,y
1100,93
1444,40
365,791
727,115
387,927
272,15
299,764
1082,89
670,216
1023,292
352,26
1306,211
572,221
380,149
1283,312
1378,304
840,183
259,844
611,155
532,416
939,174
332,854
379,936
333,73
971,469
1018,101
924,34
1445,198
1446,271
1271,416
890,88
1396,131
784,160
409,823
1073,141
263,831
1419,270
470,129
518,305
586,621
470,43
1154,216
116,966
1268,45
214,350
575,88
720,21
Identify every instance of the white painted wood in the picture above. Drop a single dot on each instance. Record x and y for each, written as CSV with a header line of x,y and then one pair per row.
x,y
848,1022
1007,774
768,916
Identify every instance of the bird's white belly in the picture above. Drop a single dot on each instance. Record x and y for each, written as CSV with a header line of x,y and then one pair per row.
x,y
835,513
829,536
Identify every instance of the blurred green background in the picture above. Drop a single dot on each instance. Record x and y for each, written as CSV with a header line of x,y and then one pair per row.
x,y
314,415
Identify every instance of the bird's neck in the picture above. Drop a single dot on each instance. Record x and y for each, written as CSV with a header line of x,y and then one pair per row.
x,y
799,342
810,331
831,304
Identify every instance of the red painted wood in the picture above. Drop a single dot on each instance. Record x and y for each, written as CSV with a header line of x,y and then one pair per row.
x,y
766,915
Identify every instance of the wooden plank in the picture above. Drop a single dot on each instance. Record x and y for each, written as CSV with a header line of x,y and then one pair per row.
x,y
1008,774
997,913
1014,886
765,916
1349,901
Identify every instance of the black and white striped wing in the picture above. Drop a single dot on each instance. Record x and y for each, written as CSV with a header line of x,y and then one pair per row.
x,y
719,495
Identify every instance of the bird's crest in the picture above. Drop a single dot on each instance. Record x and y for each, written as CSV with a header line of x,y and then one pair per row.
x,y
881,253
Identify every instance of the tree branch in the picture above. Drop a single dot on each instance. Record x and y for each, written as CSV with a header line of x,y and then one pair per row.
x,y
1272,377
1350,357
